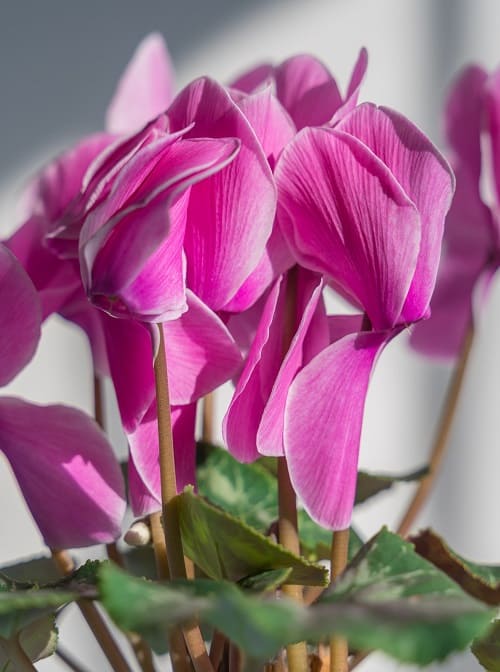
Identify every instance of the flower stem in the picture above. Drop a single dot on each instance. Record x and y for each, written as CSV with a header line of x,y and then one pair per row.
x,y
442,436
89,611
339,650
287,501
170,516
141,650
207,430
17,656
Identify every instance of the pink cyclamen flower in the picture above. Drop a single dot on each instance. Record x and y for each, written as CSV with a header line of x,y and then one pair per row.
x,y
364,205
306,88
471,250
60,458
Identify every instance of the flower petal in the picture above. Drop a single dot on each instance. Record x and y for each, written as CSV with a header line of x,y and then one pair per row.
x,y
351,99
145,455
201,353
244,414
251,80
323,420
231,210
145,89
20,317
307,90
309,306
425,177
338,198
67,472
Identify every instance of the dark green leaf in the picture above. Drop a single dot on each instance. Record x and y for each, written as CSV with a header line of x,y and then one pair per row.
x,y
487,649
266,581
369,485
38,640
19,608
37,570
395,601
480,581
140,561
226,548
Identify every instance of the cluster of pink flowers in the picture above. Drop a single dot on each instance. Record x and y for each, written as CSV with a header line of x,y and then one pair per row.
x,y
223,213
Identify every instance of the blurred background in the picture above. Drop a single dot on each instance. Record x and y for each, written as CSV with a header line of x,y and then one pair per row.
x,y
59,63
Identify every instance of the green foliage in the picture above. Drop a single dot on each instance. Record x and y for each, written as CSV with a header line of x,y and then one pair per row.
x,y
487,649
369,485
389,599
224,547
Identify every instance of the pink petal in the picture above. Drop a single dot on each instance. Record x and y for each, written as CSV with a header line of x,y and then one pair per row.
x,y
252,391
125,249
67,472
277,258
201,353
357,77
270,431
145,455
323,420
492,102
338,198
130,356
251,80
55,279
270,121
20,317
142,501
426,179
145,88
307,90
464,112
225,215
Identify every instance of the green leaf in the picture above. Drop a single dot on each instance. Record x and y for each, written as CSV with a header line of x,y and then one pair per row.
x,y
397,602
19,608
369,485
316,541
487,649
480,581
247,491
38,570
266,581
38,640
140,561
226,548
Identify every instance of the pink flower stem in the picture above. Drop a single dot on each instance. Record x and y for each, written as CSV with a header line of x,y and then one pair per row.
x,y
441,440
339,650
287,500
207,431
170,516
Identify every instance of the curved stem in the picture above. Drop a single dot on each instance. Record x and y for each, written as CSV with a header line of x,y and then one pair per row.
x,y
339,650
442,436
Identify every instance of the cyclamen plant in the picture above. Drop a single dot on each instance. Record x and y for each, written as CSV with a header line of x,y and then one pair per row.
x,y
195,241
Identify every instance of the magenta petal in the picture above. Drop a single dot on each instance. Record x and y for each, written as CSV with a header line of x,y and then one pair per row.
x,y
307,90
145,454
130,355
145,88
277,258
142,501
244,414
464,120
492,100
252,79
67,472
201,353
270,121
338,198
426,179
323,420
20,317
270,432
357,76
230,211
55,279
